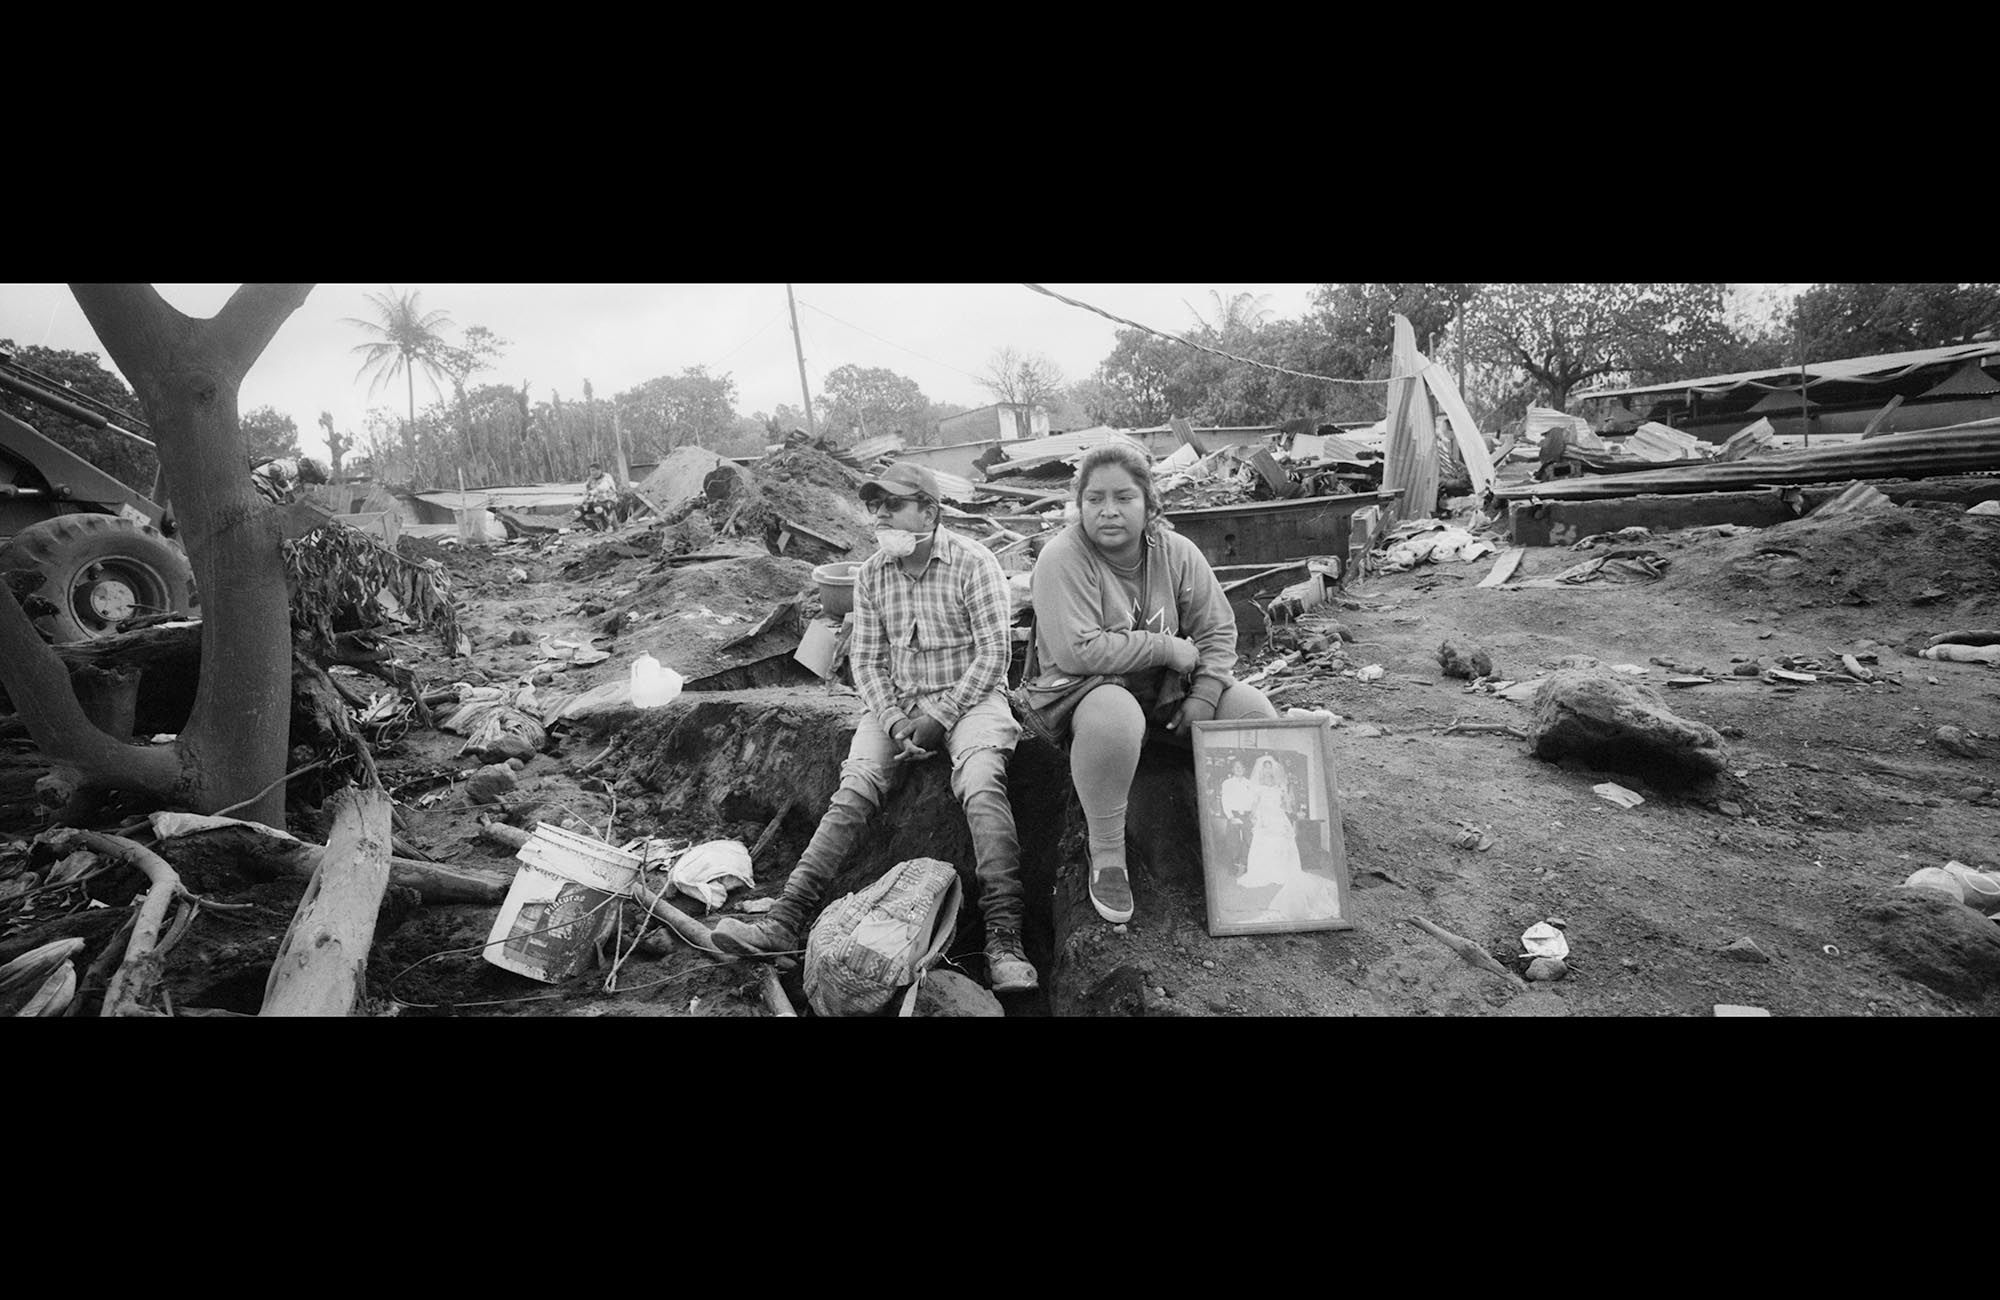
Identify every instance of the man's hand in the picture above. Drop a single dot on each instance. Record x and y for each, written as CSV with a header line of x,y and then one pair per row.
x,y
928,734
903,737
1182,657
1192,711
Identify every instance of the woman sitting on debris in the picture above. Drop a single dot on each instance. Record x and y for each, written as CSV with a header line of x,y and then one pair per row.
x,y
1129,613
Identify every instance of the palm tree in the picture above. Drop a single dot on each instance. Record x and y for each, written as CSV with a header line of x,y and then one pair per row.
x,y
406,340
1241,310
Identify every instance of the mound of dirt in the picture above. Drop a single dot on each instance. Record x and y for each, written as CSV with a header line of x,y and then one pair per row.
x,y
804,465
1892,556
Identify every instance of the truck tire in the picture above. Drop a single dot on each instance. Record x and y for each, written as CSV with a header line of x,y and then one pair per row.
x,y
99,570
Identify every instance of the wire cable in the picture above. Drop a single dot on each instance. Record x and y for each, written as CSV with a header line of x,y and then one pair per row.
x,y
891,342
1203,347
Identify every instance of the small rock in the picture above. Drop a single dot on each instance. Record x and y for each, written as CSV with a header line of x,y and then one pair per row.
x,y
1748,668
1366,732
1725,1009
1464,661
1547,969
1119,929
489,784
1729,808
520,636
1764,636
1208,965
1745,950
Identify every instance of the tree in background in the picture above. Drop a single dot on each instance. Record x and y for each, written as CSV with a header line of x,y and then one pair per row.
x,y
406,339
1565,334
1241,313
869,401
1026,378
268,433
693,407
336,444
125,460
1836,321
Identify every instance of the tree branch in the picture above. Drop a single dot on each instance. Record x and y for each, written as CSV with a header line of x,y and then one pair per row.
x,y
125,317
251,318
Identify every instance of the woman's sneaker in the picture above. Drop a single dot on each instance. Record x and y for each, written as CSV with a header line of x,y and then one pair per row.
x,y
1111,893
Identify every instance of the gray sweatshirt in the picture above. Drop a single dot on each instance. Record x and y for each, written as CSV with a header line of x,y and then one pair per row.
x,y
1084,622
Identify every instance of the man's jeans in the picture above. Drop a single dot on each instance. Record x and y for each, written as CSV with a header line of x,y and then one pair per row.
x,y
978,747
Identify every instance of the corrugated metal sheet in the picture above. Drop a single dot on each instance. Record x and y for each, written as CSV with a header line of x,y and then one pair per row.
x,y
1886,365
1412,469
1064,446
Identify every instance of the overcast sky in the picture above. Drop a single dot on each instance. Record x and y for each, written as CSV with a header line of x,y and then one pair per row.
x,y
619,335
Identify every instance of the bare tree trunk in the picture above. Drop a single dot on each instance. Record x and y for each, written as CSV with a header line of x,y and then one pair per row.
x,y
322,965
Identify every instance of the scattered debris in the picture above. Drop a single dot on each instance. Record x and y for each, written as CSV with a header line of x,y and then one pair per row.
x,y
1745,949
1464,661
1471,953
1966,744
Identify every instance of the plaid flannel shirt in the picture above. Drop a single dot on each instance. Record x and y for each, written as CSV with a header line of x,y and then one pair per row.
x,y
935,644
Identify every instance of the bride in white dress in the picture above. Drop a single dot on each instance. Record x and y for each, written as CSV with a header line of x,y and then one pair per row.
x,y
1274,856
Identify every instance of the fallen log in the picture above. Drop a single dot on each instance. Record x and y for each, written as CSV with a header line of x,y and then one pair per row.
x,y
322,963
265,856
130,989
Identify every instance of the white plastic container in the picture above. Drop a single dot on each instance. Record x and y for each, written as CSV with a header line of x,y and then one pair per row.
x,y
653,683
559,904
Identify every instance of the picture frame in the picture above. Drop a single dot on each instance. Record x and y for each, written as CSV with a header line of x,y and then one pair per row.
x,y
1273,858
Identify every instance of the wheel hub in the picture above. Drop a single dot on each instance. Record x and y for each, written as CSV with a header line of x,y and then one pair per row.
x,y
112,600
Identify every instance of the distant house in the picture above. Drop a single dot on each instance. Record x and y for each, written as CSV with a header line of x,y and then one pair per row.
x,y
1005,421
1897,392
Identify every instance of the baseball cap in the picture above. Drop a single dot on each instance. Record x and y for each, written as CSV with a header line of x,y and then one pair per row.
x,y
902,479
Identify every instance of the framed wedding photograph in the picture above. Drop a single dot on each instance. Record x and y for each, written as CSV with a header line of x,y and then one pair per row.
x,y
1272,856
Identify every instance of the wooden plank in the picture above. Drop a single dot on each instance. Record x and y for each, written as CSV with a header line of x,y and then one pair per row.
x,y
1228,587
1027,494
1881,415
1503,568
821,538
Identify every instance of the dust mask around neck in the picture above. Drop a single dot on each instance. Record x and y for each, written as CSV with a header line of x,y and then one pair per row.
x,y
895,543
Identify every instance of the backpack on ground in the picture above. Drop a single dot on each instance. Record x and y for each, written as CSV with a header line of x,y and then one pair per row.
x,y
870,945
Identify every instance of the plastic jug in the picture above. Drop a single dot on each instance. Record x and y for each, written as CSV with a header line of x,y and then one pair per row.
x,y
653,684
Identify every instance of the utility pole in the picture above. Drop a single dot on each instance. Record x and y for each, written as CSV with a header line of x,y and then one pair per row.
x,y
804,390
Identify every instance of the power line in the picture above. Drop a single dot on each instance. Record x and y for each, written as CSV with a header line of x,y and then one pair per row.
x,y
1203,347
755,334
899,347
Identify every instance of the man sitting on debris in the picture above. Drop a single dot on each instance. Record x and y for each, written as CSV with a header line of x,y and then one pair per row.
x,y
929,654
600,498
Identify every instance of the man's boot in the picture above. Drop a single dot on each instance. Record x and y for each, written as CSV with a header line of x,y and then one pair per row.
x,y
980,784
1007,967
784,928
